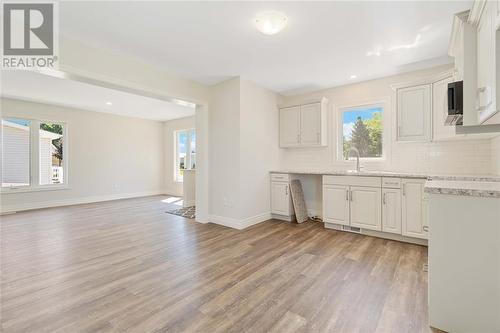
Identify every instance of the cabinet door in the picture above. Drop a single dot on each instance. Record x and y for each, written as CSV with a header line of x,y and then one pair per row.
x,y
486,73
391,210
413,208
414,110
440,111
336,204
280,198
310,124
366,207
290,126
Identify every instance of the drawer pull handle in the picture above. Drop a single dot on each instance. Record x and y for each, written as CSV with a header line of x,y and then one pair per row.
x,y
425,228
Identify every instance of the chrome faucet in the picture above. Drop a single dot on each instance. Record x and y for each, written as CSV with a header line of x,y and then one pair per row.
x,y
354,149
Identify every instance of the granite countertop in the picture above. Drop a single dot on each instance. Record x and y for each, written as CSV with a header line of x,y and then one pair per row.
x,y
472,188
487,186
353,173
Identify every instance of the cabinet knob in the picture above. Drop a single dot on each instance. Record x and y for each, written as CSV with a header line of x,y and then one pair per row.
x,y
425,228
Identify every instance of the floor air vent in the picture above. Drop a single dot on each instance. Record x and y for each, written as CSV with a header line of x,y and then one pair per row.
x,y
351,229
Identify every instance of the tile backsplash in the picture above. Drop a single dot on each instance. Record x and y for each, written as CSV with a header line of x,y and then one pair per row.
x,y
455,157
470,157
495,155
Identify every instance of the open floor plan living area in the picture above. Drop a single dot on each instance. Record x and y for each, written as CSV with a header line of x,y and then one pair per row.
x,y
250,166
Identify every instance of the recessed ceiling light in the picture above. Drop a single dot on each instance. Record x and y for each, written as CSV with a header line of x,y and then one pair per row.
x,y
352,77
270,22
109,103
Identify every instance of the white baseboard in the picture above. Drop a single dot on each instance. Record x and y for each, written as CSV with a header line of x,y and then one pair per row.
x,y
75,201
240,224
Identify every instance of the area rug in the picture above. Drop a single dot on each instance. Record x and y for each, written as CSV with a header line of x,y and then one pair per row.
x,y
187,212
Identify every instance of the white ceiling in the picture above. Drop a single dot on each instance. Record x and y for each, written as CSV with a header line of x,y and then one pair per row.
x,y
323,44
32,86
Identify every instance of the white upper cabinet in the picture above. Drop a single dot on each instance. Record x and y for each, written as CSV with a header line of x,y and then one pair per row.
x,y
486,71
290,126
303,125
463,48
414,113
310,124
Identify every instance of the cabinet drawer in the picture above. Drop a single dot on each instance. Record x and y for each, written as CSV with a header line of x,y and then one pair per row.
x,y
352,181
390,182
280,177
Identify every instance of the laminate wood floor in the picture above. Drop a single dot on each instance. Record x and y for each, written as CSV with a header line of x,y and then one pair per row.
x,y
127,266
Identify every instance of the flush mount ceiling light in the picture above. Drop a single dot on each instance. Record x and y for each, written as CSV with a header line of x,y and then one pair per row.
x,y
270,22
352,77
109,103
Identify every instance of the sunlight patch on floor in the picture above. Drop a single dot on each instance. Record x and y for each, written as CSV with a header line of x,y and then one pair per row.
x,y
172,200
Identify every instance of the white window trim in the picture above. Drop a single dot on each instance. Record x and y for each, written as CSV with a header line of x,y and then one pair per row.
x,y
386,134
187,162
35,158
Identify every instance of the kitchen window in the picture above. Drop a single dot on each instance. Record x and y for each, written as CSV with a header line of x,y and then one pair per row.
x,y
33,155
185,152
363,129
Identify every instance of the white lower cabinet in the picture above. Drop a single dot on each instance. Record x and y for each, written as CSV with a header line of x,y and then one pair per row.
x,y
414,209
392,205
391,210
280,198
336,204
365,207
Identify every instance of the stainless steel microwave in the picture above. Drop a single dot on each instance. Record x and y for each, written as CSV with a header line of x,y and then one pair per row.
x,y
455,103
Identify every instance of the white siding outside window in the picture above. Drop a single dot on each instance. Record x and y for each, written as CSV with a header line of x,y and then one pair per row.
x,y
15,154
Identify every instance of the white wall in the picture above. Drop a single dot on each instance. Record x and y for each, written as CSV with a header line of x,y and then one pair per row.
x,y
455,157
495,155
259,147
243,149
109,156
224,153
171,186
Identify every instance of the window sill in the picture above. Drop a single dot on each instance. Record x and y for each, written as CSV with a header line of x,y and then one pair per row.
x,y
34,189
